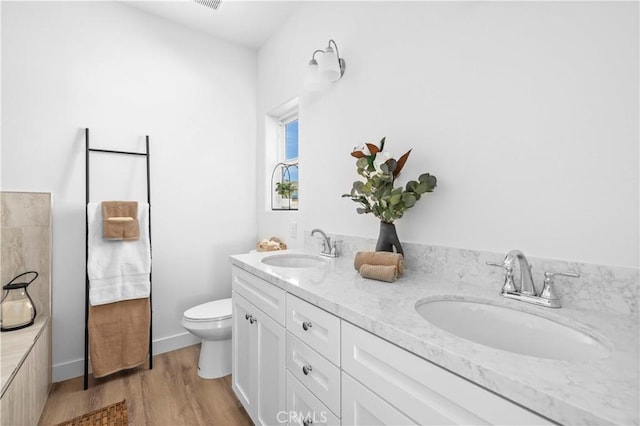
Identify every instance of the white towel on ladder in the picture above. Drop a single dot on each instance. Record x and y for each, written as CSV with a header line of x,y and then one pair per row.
x,y
118,270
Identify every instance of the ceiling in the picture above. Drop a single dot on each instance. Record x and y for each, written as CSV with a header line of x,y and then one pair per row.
x,y
248,23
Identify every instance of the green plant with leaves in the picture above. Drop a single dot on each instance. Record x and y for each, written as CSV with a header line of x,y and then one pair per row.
x,y
377,194
286,189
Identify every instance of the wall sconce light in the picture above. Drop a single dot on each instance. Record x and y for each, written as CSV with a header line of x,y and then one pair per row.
x,y
328,68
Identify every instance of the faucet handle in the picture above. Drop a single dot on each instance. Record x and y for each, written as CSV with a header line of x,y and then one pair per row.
x,y
509,285
548,289
336,248
550,275
509,262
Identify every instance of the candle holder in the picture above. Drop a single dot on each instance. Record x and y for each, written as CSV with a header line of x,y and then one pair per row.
x,y
18,309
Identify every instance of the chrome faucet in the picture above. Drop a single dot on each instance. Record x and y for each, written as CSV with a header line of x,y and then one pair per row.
x,y
328,249
526,279
524,288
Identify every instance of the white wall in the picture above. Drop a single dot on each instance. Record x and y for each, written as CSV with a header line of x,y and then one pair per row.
x,y
125,74
526,112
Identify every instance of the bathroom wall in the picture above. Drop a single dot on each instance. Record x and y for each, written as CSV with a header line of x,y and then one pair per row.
x,y
527,112
26,244
125,74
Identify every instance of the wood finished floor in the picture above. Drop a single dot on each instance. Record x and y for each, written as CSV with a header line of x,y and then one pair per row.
x,y
170,394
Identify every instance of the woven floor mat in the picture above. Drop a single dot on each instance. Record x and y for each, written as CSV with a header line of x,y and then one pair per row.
x,y
112,415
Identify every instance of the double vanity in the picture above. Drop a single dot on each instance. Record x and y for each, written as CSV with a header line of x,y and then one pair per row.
x,y
315,343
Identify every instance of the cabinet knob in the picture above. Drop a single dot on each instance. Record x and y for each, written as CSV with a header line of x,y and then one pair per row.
x,y
306,325
306,369
307,422
246,316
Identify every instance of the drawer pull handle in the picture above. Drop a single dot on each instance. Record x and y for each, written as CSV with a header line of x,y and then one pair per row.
x,y
307,422
306,369
250,318
306,325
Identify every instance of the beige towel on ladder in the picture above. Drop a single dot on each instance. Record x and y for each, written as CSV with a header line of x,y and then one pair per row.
x,y
119,335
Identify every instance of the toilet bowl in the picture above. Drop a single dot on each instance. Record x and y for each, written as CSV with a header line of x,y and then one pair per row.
x,y
212,323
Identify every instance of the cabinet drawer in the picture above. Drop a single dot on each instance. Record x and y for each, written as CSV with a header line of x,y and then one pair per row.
x,y
422,390
315,327
361,407
264,295
303,408
315,372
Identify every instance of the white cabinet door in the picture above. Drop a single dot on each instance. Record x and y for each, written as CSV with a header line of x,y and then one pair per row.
x,y
258,362
361,407
271,358
244,357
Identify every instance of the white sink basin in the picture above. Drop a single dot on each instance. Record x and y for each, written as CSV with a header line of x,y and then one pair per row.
x,y
291,260
511,330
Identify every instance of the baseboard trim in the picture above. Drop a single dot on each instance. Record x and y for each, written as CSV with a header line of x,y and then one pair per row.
x,y
75,368
171,343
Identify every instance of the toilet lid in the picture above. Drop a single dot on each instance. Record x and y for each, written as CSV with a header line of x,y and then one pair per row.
x,y
218,309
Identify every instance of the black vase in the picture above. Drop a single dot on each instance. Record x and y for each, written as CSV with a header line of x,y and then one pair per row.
x,y
388,239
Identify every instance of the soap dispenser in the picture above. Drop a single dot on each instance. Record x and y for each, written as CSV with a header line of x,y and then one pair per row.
x,y
18,309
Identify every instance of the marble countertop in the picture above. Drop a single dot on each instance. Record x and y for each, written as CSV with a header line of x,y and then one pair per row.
x,y
15,348
602,391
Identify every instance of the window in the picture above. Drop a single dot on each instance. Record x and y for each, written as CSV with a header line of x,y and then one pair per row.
x,y
291,140
283,168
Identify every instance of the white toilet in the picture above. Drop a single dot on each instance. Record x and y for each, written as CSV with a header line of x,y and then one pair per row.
x,y
212,323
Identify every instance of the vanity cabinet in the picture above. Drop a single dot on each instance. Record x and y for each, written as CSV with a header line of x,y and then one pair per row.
x,y
258,347
295,363
421,391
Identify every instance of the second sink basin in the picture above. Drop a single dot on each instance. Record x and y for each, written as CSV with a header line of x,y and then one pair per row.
x,y
511,330
291,260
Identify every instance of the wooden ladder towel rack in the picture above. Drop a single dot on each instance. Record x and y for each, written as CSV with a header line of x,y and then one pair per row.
x,y
88,151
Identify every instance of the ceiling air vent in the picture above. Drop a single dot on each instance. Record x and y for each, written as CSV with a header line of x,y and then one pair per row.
x,y
211,4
